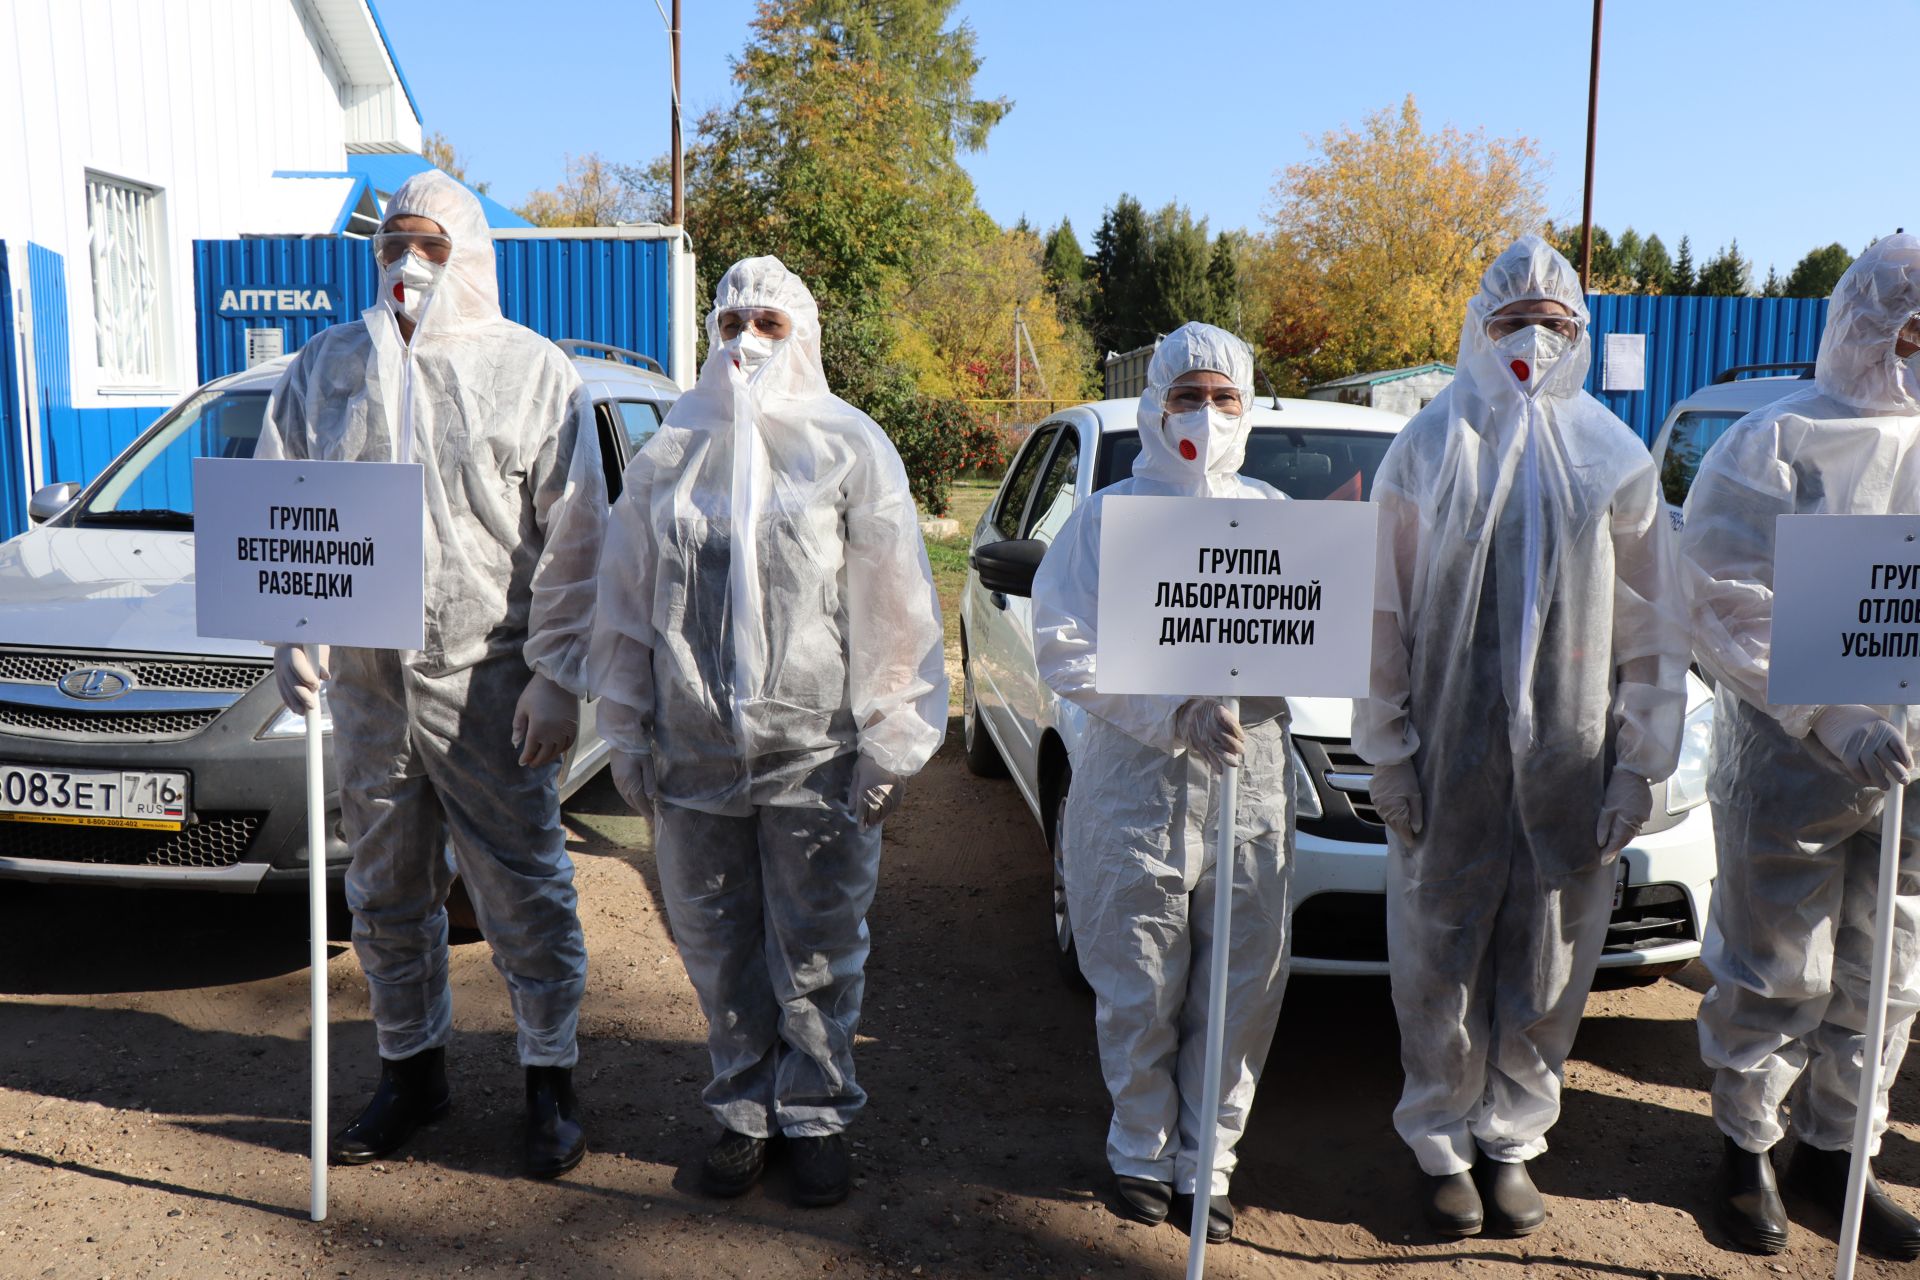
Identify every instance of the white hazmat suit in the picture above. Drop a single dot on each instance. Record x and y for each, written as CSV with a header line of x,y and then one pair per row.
x,y
423,741
1139,844
768,629
1790,936
1529,662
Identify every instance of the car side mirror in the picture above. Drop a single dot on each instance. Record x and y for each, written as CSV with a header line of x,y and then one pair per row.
x,y
50,500
1008,567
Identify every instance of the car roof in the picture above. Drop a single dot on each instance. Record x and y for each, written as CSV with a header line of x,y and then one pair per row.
x,y
1321,415
615,375
1744,394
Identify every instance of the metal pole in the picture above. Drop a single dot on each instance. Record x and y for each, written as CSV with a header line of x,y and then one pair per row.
x,y
1873,1051
1016,358
1223,868
317,947
1593,119
679,215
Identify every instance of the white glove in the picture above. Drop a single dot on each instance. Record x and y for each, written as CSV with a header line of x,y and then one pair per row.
x,y
545,721
1871,750
633,779
298,678
876,792
1396,794
1628,805
1211,732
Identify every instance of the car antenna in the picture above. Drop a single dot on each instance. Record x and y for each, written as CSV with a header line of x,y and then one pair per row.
x,y
1260,373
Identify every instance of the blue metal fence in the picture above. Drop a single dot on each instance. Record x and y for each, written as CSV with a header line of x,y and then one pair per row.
x,y
13,454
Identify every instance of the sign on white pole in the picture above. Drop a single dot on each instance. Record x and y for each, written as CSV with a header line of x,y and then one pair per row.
x,y
1846,629
1224,596
1624,367
1230,597
311,553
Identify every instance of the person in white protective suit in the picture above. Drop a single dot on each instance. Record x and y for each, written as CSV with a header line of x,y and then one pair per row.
x,y
1528,690
768,657
459,742
1797,791
1140,867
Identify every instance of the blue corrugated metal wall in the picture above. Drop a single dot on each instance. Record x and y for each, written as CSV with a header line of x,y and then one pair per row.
x,y
13,454
1691,340
611,291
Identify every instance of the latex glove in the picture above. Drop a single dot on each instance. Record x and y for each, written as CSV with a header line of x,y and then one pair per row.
x,y
297,678
1871,750
876,792
1211,732
1628,805
633,779
545,722
1396,794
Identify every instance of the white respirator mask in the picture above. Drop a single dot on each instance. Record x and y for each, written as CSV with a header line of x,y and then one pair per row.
x,y
1530,354
751,351
1912,366
1202,438
407,284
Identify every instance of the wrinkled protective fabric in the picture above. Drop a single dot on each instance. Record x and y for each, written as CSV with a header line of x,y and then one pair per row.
x,y
1787,941
1138,844
426,764
769,913
1529,634
766,604
515,511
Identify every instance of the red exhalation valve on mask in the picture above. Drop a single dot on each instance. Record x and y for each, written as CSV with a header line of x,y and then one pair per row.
x,y
1188,451
1520,370
399,293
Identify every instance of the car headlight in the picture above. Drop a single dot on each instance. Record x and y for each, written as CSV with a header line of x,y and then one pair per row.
x,y
291,725
1687,788
1306,796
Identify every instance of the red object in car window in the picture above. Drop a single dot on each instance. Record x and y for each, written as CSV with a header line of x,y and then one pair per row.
x,y
1348,492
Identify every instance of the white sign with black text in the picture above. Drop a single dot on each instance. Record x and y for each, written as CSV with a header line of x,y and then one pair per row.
x,y
310,552
1846,611
1236,597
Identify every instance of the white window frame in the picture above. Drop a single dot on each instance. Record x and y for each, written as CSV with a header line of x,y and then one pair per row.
x,y
126,244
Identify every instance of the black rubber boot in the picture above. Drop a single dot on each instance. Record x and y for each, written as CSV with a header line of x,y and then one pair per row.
x,y
733,1164
1219,1217
1513,1207
1821,1176
1750,1208
822,1174
1143,1199
556,1140
412,1092
1453,1204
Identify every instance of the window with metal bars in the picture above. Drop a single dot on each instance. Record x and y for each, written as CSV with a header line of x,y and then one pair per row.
x,y
124,242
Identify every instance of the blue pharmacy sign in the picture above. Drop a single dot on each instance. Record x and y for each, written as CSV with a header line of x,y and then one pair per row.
x,y
278,298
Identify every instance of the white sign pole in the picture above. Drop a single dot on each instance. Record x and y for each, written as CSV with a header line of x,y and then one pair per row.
x,y
1871,1054
1223,869
317,954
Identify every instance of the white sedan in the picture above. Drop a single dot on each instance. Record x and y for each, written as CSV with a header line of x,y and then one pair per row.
x,y
1309,449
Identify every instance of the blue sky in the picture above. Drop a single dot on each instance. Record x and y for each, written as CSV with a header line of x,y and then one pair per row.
x,y
1784,123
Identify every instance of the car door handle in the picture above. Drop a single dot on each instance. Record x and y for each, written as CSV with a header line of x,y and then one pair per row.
x,y
999,599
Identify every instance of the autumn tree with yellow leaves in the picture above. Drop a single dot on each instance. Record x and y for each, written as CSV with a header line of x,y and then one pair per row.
x,y
1374,246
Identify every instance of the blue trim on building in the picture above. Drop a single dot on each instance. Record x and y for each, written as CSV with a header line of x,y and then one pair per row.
x,y
398,70
358,189
386,170
13,431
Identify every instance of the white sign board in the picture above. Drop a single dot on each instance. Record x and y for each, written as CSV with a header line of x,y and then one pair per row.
x,y
264,345
1231,597
1625,365
1846,611
310,552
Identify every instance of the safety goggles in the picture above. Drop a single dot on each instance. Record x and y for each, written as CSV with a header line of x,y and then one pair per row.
x,y
765,321
1188,398
1506,325
391,246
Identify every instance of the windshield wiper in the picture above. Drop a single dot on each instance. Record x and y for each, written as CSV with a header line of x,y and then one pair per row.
x,y
145,517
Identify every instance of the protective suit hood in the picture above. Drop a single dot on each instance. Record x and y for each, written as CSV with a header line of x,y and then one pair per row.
x,y
1530,271
795,370
468,292
1194,347
1876,297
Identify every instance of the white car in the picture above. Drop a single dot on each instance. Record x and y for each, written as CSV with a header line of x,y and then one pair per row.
x,y
1696,422
134,752
1310,449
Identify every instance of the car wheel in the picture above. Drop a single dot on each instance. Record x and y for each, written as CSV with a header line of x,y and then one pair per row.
x,y
1064,951
983,758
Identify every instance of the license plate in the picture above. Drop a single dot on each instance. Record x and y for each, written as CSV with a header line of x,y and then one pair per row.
x,y
93,797
1620,886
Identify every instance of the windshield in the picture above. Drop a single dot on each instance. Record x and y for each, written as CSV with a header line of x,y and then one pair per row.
x,y
1299,462
1692,435
153,482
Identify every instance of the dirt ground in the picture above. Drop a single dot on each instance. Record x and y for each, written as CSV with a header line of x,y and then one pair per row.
x,y
153,1090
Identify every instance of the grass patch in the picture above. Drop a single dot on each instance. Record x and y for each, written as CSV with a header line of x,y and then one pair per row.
x,y
948,559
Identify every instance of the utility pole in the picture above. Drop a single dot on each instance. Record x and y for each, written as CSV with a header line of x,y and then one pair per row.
x,y
1016,359
1593,118
679,161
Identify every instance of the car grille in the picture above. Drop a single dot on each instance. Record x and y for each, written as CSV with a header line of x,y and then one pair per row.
x,y
233,675
1343,759
1651,915
217,840
1353,926
38,722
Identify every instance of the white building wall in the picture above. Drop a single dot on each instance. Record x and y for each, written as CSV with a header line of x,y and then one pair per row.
x,y
201,100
